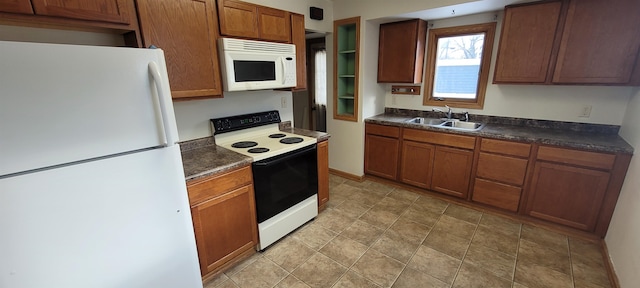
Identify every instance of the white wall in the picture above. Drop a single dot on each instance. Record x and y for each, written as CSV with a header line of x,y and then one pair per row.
x,y
623,237
193,116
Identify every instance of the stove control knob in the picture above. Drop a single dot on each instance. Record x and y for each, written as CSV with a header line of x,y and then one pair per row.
x,y
256,119
219,125
227,124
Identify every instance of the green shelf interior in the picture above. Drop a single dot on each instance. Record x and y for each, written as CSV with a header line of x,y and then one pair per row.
x,y
346,66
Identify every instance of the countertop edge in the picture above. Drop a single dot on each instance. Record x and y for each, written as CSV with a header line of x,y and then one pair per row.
x,y
621,147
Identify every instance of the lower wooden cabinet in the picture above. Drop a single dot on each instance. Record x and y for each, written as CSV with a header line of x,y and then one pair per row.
x,y
565,186
500,173
437,161
224,218
382,148
416,165
567,194
452,171
323,174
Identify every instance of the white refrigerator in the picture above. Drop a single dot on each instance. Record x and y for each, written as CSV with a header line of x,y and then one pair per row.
x,y
92,190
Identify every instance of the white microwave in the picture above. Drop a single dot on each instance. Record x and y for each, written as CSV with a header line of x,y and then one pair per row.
x,y
256,65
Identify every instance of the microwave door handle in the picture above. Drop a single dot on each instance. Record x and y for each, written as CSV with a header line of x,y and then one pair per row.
x,y
284,75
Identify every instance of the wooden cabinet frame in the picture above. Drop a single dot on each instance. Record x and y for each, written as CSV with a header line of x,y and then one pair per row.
x,y
346,66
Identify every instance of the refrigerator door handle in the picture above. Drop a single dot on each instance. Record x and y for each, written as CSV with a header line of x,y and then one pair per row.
x,y
157,79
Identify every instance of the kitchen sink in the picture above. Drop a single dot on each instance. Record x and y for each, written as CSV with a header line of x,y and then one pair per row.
x,y
447,123
463,125
426,121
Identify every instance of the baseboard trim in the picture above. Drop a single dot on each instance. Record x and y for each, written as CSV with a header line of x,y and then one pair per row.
x,y
346,175
613,278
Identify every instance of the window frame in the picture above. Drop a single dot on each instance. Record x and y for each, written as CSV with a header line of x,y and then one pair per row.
x,y
489,29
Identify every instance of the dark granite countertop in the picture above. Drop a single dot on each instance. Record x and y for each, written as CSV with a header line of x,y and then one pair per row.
x,y
202,157
592,137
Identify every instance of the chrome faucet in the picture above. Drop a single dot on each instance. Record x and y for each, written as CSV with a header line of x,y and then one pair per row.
x,y
449,113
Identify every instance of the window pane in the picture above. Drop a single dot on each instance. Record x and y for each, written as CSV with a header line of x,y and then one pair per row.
x,y
458,66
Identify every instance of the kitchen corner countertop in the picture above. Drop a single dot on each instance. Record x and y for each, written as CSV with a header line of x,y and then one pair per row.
x,y
202,157
593,141
203,160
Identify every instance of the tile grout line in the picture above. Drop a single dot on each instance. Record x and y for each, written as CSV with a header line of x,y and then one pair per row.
x,y
573,280
515,266
368,246
467,250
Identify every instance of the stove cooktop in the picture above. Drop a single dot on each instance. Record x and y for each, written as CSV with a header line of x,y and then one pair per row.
x,y
257,135
266,146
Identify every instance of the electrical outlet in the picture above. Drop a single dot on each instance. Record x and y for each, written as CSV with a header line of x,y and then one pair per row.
x,y
585,112
283,102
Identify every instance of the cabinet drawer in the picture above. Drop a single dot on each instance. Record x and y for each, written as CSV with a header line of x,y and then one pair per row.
x,y
496,194
502,168
576,157
382,130
505,147
445,139
201,190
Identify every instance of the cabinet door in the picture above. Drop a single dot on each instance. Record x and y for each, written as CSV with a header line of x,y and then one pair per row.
x,y
416,163
600,42
452,171
567,195
114,11
526,43
238,19
401,51
274,24
323,173
381,156
16,6
186,31
298,39
225,227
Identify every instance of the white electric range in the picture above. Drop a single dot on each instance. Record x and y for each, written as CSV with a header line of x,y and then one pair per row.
x,y
285,172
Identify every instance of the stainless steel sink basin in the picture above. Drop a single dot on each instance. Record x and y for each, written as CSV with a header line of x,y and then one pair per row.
x,y
463,125
447,123
426,121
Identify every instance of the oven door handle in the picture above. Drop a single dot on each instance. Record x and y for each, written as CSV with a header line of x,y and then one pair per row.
x,y
264,163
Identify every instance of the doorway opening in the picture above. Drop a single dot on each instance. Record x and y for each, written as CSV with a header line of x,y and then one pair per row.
x,y
310,106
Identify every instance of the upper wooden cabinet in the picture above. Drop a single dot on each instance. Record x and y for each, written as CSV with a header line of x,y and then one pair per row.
x,y
116,16
570,42
600,42
298,39
401,51
528,32
16,6
187,31
246,20
114,11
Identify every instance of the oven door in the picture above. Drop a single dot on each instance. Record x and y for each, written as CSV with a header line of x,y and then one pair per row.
x,y
285,180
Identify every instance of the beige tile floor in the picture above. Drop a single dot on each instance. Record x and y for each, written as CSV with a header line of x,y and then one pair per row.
x,y
375,235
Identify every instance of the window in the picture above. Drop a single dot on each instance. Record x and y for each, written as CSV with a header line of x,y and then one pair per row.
x,y
458,60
